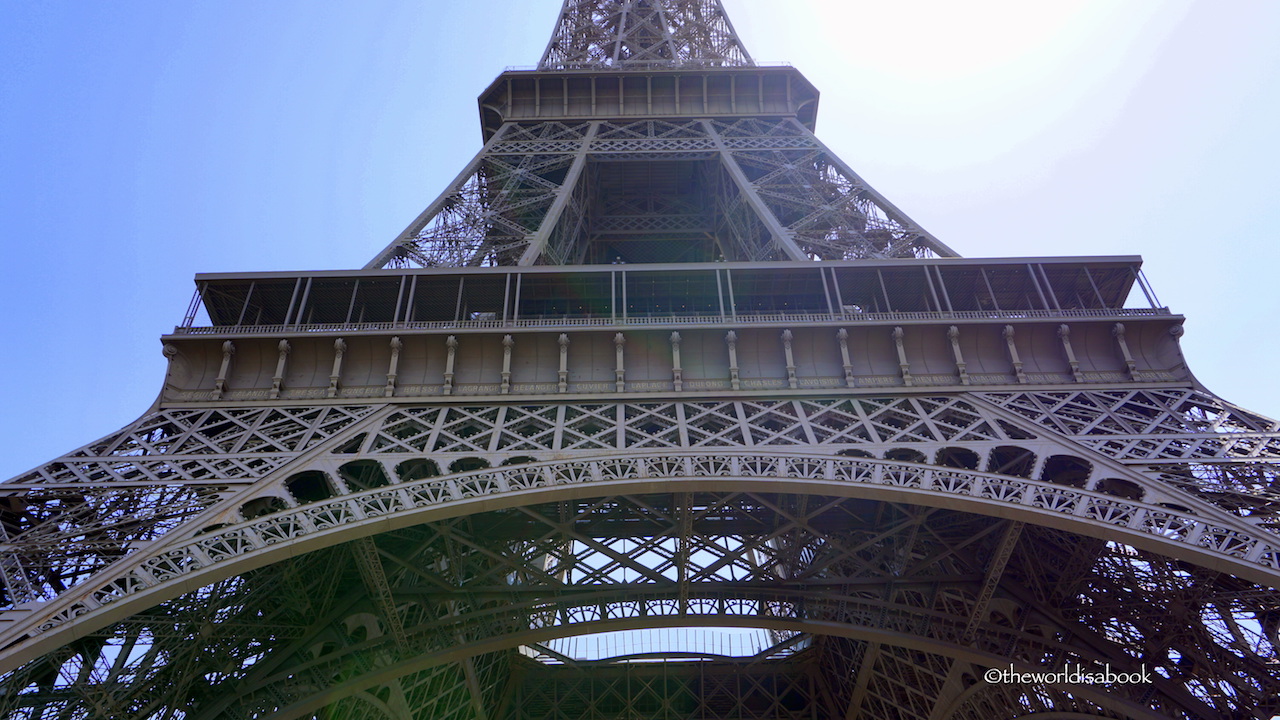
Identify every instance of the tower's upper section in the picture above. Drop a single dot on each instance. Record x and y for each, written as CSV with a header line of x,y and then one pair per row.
x,y
647,135
637,34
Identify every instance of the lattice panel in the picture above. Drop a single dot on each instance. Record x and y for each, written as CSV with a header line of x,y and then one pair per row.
x,y
1247,489
218,444
839,660
488,216
68,519
825,422
829,211
1187,438
647,131
1156,424
990,701
56,539
813,202
904,683
602,34
284,631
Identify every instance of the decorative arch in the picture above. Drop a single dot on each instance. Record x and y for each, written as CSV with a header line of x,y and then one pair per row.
x,y
1067,470
310,486
227,552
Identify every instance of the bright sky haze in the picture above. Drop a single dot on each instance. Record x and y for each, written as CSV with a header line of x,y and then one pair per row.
x,y
142,142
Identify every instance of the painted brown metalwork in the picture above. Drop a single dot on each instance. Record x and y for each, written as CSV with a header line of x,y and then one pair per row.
x,y
658,411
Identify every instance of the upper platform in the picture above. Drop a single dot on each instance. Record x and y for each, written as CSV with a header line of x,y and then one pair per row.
x,y
668,93
647,134
597,331
675,294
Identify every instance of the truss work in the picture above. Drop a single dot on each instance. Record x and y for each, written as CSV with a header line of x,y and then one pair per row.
x,y
795,460
607,191
593,34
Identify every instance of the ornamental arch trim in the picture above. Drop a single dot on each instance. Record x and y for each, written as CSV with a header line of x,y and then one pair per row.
x,y
191,562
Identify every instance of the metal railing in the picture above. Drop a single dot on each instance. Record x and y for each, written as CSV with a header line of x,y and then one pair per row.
x,y
652,64
669,320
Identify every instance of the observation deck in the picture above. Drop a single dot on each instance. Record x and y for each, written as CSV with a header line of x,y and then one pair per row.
x,y
654,92
670,328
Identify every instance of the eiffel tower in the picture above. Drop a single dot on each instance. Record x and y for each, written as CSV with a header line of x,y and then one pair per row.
x,y
658,411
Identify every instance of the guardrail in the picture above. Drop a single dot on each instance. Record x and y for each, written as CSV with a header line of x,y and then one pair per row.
x,y
679,320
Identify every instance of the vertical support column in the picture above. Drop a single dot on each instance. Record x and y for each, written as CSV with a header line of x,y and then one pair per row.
x,y
676,372
1048,287
903,366
733,303
189,318
302,305
506,299
515,305
399,300
953,334
278,379
942,285
1064,334
791,361
884,290
564,362
507,344
933,293
220,384
826,291
451,343
249,295
293,299
351,305
731,339
1146,289
1013,355
1035,282
339,349
992,293
835,286
720,294
1102,302
1118,333
619,372
842,336
393,368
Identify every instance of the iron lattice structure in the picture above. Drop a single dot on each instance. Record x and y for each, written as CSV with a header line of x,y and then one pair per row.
x,y
592,34
597,438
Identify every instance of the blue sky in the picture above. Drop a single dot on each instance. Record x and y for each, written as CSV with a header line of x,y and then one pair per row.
x,y
144,141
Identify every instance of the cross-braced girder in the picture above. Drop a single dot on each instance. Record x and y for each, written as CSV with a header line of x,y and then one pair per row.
x,y
643,34
402,443
963,593
904,577
760,558
558,194
860,545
